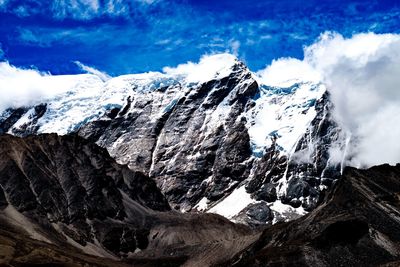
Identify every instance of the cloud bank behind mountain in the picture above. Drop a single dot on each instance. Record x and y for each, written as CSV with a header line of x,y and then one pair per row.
x,y
362,74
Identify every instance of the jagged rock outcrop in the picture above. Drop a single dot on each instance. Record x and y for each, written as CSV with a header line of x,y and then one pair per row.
x,y
358,224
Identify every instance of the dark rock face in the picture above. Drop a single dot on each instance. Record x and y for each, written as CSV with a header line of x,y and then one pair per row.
x,y
259,212
3,200
193,155
358,224
189,153
11,116
342,233
304,179
74,184
69,192
62,196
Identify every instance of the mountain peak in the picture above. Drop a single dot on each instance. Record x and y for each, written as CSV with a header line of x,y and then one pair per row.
x,y
205,132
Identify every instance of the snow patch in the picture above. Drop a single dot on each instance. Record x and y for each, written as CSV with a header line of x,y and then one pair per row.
x,y
233,204
285,212
202,205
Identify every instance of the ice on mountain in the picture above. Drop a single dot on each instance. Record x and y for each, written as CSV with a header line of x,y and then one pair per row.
x,y
282,115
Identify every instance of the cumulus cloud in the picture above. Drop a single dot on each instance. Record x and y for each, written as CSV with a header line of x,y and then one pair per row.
x,y
206,69
287,71
18,87
102,75
362,74
25,87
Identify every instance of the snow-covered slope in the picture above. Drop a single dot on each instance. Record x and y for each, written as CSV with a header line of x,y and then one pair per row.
x,y
212,137
282,113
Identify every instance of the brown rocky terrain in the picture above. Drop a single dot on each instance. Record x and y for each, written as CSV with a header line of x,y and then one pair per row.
x,y
62,197
65,202
357,225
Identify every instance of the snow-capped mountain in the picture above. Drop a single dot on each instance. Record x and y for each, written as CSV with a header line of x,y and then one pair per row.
x,y
212,136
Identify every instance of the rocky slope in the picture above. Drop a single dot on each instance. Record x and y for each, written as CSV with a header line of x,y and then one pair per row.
x,y
218,142
120,218
358,224
63,197
75,189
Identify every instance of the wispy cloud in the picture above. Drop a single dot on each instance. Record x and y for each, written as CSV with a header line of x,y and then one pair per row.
x,y
75,9
2,54
102,75
235,45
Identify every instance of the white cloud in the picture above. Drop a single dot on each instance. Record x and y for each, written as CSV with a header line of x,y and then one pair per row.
x,y
147,2
25,87
18,87
287,71
235,45
102,75
362,74
79,9
27,36
88,9
209,67
21,11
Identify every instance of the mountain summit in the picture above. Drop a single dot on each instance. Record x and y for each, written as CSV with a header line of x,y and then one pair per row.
x,y
210,134
139,164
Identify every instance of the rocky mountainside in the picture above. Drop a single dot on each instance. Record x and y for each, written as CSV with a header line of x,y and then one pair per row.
x,y
219,142
73,188
65,202
64,198
358,224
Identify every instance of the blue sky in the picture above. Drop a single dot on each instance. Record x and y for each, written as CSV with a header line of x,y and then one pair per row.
x,y
141,35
